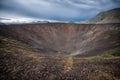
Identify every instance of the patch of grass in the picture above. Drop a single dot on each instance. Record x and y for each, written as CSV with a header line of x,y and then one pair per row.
x,y
101,56
96,57
116,53
102,16
15,42
113,53
66,56
5,49
19,43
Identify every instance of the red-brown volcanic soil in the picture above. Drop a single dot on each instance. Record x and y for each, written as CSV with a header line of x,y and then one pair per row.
x,y
33,66
51,39
66,38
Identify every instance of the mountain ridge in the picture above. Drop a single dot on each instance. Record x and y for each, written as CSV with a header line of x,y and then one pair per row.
x,y
109,16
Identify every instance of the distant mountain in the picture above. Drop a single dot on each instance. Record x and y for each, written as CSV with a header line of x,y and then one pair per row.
x,y
4,19
2,23
26,21
110,16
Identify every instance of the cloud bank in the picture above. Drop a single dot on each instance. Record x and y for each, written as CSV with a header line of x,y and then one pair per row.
x,y
60,10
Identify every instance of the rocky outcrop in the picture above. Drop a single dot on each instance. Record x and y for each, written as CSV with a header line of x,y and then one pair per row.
x,y
66,38
110,16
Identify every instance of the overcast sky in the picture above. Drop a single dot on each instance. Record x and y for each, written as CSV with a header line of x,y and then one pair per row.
x,y
60,10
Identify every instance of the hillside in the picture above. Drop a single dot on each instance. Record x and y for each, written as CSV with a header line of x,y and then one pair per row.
x,y
110,16
18,61
66,38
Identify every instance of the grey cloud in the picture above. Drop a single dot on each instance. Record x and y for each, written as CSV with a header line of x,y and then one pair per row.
x,y
75,10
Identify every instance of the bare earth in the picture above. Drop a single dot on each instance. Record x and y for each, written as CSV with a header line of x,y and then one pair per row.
x,y
33,66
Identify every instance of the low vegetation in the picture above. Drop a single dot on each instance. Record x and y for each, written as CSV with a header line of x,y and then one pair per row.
x,y
14,42
111,53
8,45
7,50
102,16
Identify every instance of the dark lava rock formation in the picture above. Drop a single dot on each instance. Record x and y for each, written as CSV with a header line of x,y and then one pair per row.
x,y
66,38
